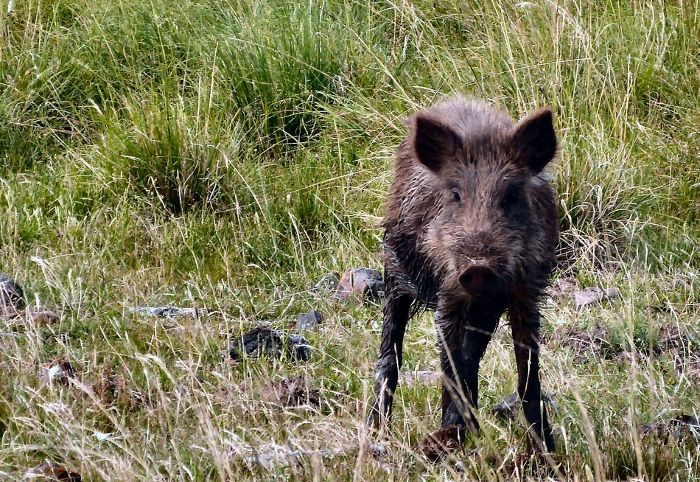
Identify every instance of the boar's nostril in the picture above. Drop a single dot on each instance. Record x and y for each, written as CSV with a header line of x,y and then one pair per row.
x,y
476,279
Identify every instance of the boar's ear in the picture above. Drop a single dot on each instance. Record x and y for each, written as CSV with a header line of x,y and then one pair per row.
x,y
534,140
433,142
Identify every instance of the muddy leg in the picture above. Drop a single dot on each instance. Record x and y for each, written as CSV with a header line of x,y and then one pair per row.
x,y
462,345
525,323
396,313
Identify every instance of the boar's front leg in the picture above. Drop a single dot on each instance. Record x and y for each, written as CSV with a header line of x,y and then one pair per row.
x,y
463,341
396,314
525,324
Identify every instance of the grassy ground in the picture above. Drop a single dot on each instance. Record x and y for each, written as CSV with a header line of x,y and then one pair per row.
x,y
227,155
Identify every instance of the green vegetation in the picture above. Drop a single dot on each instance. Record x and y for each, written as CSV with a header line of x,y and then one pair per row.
x,y
227,155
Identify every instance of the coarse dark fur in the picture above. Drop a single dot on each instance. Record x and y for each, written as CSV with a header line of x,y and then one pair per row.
x,y
471,232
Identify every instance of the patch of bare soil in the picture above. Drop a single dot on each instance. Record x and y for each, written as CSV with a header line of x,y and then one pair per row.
x,y
291,392
273,456
588,344
563,288
112,388
533,466
438,444
688,366
671,337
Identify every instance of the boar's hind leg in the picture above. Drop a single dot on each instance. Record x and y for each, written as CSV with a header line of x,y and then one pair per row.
x,y
525,323
396,313
461,349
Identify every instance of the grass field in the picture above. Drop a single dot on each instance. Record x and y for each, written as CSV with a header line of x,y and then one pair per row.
x,y
227,155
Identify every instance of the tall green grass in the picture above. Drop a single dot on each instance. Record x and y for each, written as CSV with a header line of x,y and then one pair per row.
x,y
228,154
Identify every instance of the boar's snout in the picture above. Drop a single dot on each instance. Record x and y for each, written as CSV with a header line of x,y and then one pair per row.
x,y
478,278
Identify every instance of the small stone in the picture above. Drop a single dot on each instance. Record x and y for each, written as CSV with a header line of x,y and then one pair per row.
x,y
43,318
562,287
612,292
588,296
267,342
593,294
51,471
170,311
102,436
360,284
327,284
11,295
421,376
306,321
60,371
690,420
509,406
677,428
378,451
299,347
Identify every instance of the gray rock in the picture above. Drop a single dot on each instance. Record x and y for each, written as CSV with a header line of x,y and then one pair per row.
x,y
678,428
360,284
611,292
562,287
11,294
299,347
44,318
291,392
169,311
421,376
593,294
266,342
327,284
509,406
306,321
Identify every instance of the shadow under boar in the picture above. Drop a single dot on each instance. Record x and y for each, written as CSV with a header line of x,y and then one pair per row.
x,y
470,232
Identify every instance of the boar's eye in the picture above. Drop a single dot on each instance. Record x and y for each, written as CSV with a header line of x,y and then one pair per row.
x,y
512,196
455,196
